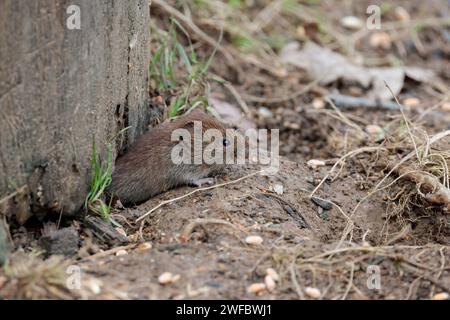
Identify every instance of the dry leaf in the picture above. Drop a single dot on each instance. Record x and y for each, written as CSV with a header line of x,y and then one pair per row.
x,y
329,66
230,114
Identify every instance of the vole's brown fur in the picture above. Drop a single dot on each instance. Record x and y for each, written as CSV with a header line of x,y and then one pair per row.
x,y
146,169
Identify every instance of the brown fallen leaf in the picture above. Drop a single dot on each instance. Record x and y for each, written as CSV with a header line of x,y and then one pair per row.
x,y
329,66
230,114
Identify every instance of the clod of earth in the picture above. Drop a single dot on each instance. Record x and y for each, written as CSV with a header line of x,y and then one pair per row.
x,y
64,242
325,205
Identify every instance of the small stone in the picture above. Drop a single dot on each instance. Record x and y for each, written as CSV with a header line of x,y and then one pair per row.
x,y
322,214
168,278
254,240
121,252
401,14
314,163
380,40
158,100
445,106
376,132
95,286
411,102
256,288
271,272
356,91
301,32
165,278
144,246
318,103
326,205
63,241
352,22
265,113
133,237
121,231
119,205
269,283
278,189
441,296
313,292
291,125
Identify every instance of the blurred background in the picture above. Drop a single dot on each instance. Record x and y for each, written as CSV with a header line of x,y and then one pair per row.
x,y
279,61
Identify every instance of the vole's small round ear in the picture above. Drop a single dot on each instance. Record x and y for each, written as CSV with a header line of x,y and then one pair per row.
x,y
189,125
197,111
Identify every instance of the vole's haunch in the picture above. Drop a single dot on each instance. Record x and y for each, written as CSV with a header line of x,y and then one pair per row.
x,y
147,169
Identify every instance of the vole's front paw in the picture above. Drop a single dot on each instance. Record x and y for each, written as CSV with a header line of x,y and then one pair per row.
x,y
202,181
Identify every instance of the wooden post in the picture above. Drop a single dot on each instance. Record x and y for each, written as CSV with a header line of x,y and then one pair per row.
x,y
64,81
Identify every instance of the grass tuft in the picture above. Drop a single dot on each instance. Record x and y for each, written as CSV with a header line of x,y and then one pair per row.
x,y
100,180
176,70
101,177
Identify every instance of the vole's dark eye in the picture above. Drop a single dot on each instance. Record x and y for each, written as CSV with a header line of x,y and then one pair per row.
x,y
226,142
181,138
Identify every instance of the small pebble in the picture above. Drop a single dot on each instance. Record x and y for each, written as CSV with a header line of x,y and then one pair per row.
x,y
121,252
119,204
270,283
401,14
380,40
256,288
300,31
376,132
158,100
441,296
271,272
254,240
95,286
291,125
445,106
312,292
352,22
326,205
281,72
121,231
144,246
318,103
321,213
411,102
133,237
167,278
366,244
265,113
314,163
278,189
